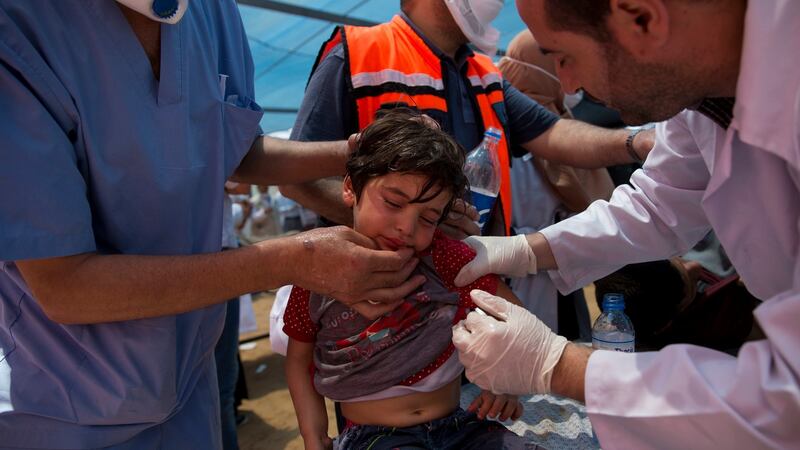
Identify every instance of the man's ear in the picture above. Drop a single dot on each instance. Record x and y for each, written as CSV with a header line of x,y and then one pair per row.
x,y
348,194
639,26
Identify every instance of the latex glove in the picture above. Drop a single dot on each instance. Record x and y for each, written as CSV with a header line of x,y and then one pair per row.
x,y
509,351
510,256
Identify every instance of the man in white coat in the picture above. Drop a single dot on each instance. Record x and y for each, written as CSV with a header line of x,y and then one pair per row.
x,y
727,159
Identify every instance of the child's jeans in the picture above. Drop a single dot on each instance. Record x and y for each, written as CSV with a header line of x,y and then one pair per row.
x,y
459,430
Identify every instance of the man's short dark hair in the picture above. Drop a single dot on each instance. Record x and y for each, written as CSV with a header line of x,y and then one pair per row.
x,y
400,141
579,16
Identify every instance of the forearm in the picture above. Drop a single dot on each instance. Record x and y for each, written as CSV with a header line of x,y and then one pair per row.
x,y
579,144
324,197
273,161
92,288
569,375
309,406
544,254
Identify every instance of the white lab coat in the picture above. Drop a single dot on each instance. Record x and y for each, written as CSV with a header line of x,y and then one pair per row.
x,y
745,183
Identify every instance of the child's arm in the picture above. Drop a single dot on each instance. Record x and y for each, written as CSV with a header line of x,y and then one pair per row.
x,y
309,406
500,407
487,404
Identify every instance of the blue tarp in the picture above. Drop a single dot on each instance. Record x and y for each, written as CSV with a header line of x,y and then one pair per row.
x,y
285,46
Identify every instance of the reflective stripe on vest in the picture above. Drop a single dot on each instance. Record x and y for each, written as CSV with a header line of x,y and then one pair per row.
x,y
390,65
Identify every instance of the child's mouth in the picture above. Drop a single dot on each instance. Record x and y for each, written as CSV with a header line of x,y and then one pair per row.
x,y
393,244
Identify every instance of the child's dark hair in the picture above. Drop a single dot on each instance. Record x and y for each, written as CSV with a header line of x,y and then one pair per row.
x,y
401,140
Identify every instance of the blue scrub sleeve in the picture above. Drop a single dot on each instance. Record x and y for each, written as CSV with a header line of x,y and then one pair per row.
x,y
45,211
527,118
328,111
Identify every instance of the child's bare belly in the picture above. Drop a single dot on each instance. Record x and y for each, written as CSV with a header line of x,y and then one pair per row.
x,y
408,410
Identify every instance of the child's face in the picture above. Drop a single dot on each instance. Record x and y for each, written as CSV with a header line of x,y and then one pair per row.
x,y
384,211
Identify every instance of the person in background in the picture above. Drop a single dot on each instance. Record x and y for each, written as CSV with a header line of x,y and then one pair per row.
x,y
263,221
726,158
397,378
534,74
545,192
121,121
226,352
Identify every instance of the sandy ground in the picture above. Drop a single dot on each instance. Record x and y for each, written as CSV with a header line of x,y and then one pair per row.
x,y
271,423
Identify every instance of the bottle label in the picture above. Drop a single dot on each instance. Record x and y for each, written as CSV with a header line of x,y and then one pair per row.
x,y
626,346
483,201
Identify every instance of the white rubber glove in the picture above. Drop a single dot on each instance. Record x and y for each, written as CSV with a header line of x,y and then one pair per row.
x,y
510,353
510,256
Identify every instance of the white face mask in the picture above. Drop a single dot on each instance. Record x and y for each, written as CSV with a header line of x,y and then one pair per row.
x,y
167,11
474,17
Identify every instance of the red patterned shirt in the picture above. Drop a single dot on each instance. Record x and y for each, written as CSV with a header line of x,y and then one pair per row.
x,y
448,257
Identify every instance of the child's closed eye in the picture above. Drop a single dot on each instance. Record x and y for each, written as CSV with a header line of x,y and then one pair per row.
x,y
428,221
392,204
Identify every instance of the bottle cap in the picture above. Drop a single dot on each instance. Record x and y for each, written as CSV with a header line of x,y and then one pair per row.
x,y
493,133
613,302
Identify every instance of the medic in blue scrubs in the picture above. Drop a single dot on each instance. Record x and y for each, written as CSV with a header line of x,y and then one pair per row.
x,y
117,137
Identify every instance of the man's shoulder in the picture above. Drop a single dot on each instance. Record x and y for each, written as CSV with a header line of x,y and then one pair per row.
x,y
331,65
336,53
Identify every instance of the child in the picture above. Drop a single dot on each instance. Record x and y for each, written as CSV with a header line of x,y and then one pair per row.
x,y
397,377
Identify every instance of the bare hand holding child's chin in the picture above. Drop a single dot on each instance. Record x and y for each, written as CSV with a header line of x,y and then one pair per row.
x,y
346,265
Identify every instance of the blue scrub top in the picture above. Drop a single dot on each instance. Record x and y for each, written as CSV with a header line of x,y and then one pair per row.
x,y
98,155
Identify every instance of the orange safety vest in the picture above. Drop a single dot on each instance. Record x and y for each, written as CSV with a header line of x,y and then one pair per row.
x,y
390,65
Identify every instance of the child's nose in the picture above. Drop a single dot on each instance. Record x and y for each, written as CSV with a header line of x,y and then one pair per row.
x,y
406,224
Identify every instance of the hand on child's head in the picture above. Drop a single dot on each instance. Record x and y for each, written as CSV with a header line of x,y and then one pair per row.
x,y
352,142
427,120
460,221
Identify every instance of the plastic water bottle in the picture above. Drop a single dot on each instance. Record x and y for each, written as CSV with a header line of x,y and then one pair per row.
x,y
613,330
482,169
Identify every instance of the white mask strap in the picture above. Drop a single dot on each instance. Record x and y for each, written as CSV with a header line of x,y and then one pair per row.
x,y
547,74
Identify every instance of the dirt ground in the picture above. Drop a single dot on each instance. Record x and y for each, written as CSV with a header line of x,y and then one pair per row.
x,y
271,423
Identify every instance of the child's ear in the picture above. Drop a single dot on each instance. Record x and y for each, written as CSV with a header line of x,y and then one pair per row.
x,y
348,195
